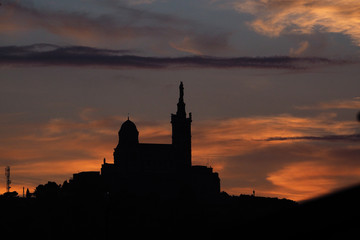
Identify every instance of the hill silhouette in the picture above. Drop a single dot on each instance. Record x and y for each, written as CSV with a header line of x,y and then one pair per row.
x,y
64,215
58,213
335,215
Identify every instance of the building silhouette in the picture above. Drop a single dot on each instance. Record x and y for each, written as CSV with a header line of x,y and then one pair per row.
x,y
164,170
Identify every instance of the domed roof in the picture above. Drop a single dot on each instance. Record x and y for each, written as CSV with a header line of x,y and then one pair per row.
x,y
128,133
128,125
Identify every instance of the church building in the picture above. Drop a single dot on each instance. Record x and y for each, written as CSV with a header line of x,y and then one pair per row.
x,y
165,170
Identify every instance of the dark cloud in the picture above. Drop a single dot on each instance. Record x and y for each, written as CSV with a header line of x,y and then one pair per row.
x,y
132,14
54,49
81,26
52,55
123,25
351,138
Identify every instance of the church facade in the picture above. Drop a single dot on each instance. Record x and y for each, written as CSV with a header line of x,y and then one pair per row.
x,y
161,169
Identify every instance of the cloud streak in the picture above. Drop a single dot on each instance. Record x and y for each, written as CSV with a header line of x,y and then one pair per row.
x,y
127,24
123,25
335,104
276,17
78,56
351,138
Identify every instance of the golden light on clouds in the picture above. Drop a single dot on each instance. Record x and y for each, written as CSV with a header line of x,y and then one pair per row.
x,y
276,17
235,147
311,179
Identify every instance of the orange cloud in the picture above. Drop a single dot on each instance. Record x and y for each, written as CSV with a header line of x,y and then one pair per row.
x,y
53,150
276,17
230,146
335,104
310,179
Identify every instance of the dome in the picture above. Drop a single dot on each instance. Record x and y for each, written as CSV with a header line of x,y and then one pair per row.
x,y
128,133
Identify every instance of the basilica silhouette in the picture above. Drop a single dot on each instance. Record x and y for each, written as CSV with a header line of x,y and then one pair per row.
x,y
164,170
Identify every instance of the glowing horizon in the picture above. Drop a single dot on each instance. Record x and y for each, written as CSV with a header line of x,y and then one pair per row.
x,y
224,145
272,85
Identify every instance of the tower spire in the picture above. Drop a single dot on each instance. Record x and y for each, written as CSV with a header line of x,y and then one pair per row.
x,y
181,105
181,132
8,181
181,88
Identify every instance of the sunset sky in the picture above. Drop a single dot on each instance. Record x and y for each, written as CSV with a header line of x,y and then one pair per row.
x,y
273,87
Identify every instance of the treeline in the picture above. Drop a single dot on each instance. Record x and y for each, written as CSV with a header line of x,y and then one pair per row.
x,y
68,212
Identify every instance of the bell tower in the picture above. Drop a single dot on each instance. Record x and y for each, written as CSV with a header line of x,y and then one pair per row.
x,y
181,133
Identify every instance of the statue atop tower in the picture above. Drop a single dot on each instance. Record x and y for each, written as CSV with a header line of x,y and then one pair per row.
x,y
181,132
181,105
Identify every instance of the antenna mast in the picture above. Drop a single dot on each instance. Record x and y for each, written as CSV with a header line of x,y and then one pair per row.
x,y
8,181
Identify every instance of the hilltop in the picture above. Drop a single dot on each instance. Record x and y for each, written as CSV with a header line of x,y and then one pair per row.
x,y
60,216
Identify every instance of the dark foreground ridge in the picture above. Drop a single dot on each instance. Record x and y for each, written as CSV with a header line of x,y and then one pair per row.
x,y
58,212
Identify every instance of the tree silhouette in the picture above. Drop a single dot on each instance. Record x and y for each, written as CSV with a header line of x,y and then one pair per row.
x,y
49,191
